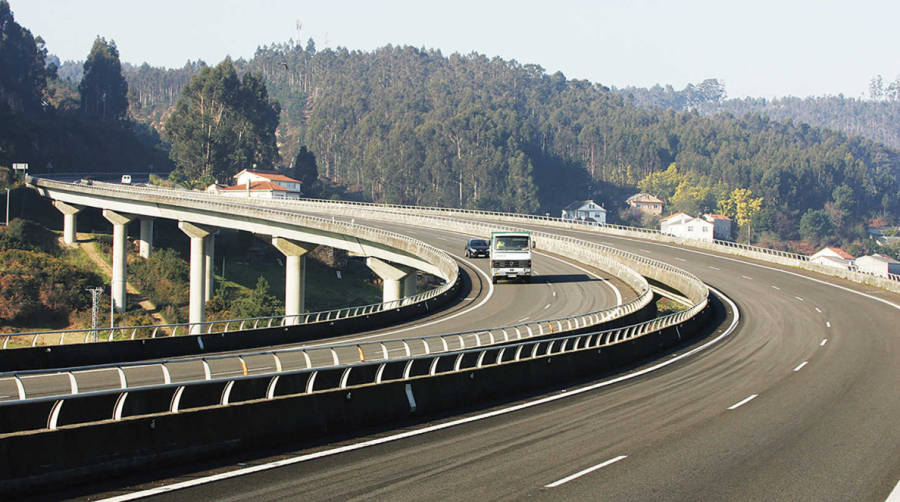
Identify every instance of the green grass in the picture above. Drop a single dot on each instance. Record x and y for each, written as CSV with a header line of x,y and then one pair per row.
x,y
665,306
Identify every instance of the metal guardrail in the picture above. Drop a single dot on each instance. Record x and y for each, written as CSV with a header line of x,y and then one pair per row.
x,y
337,354
402,369
110,334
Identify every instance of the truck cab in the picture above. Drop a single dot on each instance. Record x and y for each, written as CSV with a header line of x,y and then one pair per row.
x,y
511,256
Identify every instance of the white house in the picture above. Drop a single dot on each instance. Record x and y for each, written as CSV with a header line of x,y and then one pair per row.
x,y
721,225
256,190
685,225
583,210
878,264
247,176
832,257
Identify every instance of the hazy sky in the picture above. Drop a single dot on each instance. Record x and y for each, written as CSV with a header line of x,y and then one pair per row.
x,y
757,47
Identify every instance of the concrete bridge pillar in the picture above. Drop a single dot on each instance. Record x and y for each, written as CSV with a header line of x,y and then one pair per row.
x,y
119,256
209,277
198,235
294,275
410,284
394,277
146,241
70,212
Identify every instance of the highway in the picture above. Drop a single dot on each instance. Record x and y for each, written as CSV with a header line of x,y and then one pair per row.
x,y
800,402
560,289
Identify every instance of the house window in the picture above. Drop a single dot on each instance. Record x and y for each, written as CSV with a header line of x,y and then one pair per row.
x,y
690,228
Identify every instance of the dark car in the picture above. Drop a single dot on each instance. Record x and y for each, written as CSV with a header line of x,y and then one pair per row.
x,y
477,247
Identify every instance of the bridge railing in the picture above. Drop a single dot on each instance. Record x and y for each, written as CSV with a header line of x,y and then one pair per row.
x,y
49,412
109,334
118,375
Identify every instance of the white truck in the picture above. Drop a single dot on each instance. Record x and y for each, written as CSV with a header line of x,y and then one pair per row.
x,y
511,256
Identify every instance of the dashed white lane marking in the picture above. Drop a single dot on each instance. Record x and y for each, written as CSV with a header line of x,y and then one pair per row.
x,y
827,324
800,366
523,319
547,306
714,268
746,277
645,250
743,401
776,287
554,293
586,471
823,342
818,310
797,297
680,259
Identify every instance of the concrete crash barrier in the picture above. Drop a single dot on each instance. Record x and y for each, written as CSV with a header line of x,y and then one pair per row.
x,y
322,402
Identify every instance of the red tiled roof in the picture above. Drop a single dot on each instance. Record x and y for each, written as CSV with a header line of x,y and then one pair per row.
x,y
270,176
718,217
259,185
840,252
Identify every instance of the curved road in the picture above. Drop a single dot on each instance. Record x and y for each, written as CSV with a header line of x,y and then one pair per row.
x,y
560,289
799,403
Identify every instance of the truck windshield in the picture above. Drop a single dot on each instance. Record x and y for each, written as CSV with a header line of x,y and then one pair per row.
x,y
511,242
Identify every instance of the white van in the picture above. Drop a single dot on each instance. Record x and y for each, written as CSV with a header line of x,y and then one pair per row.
x,y
126,179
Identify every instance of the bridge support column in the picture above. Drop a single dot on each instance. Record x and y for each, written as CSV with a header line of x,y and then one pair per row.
x,y
410,284
294,276
197,309
394,277
70,212
119,256
209,277
146,237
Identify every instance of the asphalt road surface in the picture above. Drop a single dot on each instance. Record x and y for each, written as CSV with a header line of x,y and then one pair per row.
x,y
800,402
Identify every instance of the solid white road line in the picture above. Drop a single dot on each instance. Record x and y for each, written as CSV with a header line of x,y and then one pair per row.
x,y
586,471
417,432
743,402
823,342
800,366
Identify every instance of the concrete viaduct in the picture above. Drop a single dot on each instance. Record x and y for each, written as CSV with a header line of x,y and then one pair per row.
x,y
392,257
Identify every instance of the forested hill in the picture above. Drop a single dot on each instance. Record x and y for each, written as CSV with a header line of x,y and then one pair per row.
x,y
877,118
415,126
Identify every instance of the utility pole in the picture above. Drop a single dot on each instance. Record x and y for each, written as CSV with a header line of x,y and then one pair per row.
x,y
95,310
